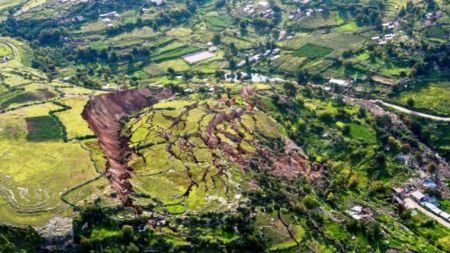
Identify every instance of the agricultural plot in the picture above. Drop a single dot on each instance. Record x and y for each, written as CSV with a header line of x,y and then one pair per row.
x,y
276,234
217,21
362,133
161,68
42,128
334,40
429,97
19,97
71,118
349,27
312,51
173,51
198,57
5,50
317,21
30,192
5,4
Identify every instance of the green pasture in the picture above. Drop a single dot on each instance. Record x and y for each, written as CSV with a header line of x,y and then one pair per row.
x,y
312,51
433,96
75,125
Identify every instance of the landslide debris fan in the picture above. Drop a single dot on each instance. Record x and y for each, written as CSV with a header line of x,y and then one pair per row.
x,y
198,155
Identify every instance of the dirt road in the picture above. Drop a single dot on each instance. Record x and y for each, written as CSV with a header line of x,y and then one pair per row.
x,y
410,203
408,111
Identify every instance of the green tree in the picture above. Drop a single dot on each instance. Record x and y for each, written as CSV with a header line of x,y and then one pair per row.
x,y
410,102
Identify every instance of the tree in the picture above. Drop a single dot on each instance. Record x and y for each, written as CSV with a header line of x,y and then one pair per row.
x,y
128,233
326,118
362,112
410,102
373,231
113,57
302,77
5,245
132,248
310,202
171,73
444,243
290,89
216,39
432,167
346,130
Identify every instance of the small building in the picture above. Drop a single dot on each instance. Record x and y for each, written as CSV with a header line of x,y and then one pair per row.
x,y
157,2
398,190
282,35
445,215
433,208
357,212
418,196
112,14
389,36
429,183
382,42
263,4
339,82
212,49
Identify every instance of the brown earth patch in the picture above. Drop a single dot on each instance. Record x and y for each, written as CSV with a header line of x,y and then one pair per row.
x,y
105,114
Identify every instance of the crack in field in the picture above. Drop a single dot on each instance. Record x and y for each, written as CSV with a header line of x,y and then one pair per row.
x,y
104,114
201,140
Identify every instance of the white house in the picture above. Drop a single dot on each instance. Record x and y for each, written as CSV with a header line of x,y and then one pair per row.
x,y
418,195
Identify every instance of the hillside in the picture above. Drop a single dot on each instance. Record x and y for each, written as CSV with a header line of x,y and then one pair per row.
x,y
224,126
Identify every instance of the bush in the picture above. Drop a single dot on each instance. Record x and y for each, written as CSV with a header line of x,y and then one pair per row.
x,y
310,202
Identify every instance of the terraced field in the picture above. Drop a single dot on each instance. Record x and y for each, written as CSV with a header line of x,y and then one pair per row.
x,y
433,97
193,156
31,192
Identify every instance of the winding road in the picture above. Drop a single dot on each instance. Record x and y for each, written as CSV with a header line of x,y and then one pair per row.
x,y
12,46
408,111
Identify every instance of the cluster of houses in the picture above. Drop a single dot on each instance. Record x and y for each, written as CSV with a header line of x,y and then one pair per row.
x,y
78,18
429,204
284,36
298,13
358,212
384,39
339,82
431,17
391,25
211,47
261,8
273,54
108,18
388,26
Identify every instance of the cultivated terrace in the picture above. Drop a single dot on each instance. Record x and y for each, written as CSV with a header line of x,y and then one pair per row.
x,y
224,126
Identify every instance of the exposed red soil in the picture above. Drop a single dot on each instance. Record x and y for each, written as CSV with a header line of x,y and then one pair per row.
x,y
292,164
104,114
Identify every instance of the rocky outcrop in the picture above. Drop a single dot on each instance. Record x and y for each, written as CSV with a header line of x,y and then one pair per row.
x,y
57,234
105,114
